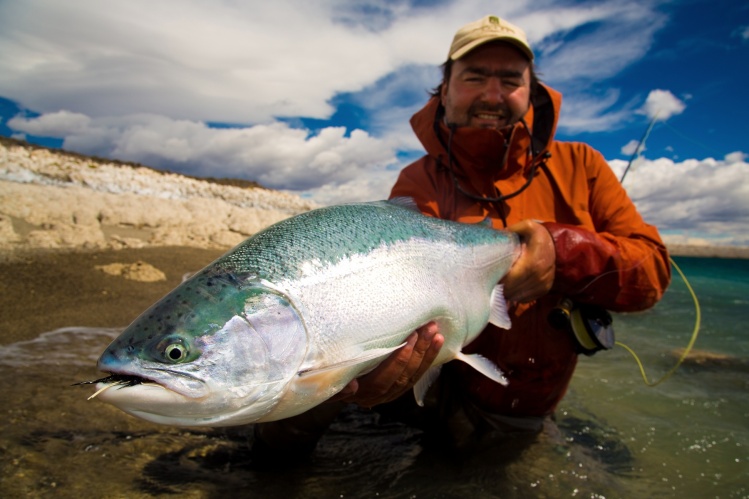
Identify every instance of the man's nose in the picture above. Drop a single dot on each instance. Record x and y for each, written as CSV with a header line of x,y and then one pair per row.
x,y
493,91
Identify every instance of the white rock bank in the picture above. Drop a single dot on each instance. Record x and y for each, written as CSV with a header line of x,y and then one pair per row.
x,y
55,199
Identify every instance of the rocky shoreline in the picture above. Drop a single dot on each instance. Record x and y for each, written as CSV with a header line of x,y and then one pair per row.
x,y
57,200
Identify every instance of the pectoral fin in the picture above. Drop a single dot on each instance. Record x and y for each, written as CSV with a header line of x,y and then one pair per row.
x,y
498,309
484,366
421,386
325,381
366,356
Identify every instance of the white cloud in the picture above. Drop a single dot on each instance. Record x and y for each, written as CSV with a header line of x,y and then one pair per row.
x,y
592,113
371,187
662,104
59,124
631,147
708,197
275,154
248,62
616,34
736,157
219,61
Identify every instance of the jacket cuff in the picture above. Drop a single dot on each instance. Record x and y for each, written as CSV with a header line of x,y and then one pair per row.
x,y
581,256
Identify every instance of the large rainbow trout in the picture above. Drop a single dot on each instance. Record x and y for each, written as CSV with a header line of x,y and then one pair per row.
x,y
286,319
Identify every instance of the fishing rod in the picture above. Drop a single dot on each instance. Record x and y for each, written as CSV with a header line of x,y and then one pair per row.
x,y
640,145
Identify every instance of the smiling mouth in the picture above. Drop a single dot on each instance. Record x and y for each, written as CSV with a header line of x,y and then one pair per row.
x,y
492,117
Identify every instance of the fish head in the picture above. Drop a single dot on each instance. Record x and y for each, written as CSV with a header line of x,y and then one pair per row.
x,y
216,351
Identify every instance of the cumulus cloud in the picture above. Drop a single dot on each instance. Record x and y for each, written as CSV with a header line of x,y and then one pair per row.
x,y
223,61
708,197
631,147
275,154
736,157
57,124
592,113
662,104
371,187
249,62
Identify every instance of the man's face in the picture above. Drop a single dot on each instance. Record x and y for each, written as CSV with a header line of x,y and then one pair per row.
x,y
488,88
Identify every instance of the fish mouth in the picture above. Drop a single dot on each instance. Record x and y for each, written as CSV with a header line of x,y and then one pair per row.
x,y
186,385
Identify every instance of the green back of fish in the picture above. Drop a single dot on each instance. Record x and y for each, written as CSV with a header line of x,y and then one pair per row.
x,y
328,235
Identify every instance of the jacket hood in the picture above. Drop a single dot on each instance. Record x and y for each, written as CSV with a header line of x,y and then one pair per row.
x,y
482,151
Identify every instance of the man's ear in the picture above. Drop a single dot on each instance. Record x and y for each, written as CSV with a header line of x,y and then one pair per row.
x,y
443,93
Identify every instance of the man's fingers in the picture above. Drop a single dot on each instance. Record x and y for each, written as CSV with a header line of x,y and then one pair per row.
x,y
399,371
416,365
429,356
532,276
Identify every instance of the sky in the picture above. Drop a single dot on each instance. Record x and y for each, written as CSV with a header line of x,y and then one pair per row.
x,y
314,97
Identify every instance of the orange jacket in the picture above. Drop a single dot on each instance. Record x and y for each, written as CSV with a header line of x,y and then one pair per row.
x,y
605,253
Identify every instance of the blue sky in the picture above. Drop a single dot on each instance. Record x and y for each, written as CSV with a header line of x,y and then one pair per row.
x,y
315,97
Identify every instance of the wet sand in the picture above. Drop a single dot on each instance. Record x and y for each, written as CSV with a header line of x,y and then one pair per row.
x,y
42,290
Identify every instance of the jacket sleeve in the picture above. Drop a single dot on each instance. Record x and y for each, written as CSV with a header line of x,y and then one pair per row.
x,y
622,265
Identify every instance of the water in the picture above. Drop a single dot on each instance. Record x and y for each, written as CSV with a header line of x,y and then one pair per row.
x,y
690,435
616,437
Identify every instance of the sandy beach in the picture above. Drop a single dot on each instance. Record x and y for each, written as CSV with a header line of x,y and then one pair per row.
x,y
44,290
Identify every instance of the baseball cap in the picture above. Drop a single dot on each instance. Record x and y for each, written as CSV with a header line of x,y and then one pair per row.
x,y
488,29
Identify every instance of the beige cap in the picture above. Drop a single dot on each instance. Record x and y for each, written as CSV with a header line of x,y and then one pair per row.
x,y
488,29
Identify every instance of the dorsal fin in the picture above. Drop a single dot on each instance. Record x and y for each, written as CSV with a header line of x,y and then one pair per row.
x,y
405,202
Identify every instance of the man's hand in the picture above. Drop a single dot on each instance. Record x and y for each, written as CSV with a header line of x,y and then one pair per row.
x,y
532,275
398,373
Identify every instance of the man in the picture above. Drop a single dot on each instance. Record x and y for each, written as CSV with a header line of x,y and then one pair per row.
x,y
488,132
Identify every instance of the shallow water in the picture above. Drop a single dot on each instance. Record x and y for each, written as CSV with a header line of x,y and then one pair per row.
x,y
616,437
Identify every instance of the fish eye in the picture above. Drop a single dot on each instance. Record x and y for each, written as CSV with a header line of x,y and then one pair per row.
x,y
175,352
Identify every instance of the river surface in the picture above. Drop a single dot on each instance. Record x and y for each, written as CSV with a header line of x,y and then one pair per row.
x,y
614,436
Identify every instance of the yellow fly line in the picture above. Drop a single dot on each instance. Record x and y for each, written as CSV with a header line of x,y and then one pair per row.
x,y
695,333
